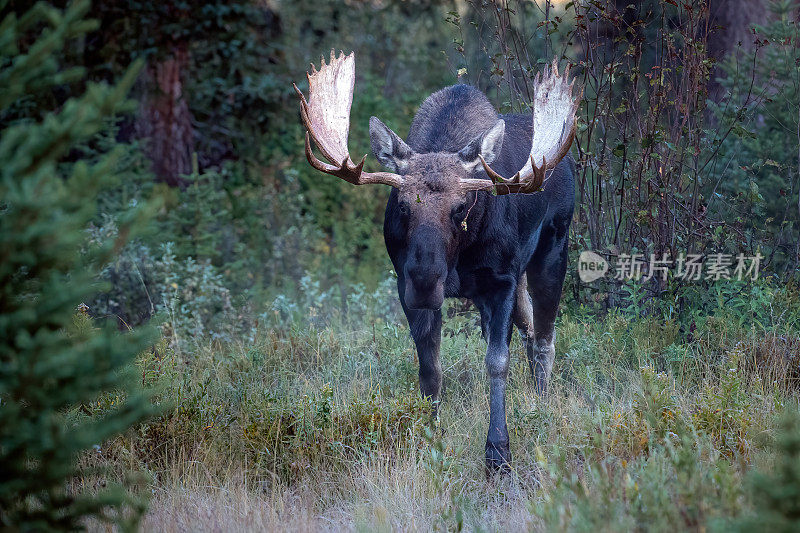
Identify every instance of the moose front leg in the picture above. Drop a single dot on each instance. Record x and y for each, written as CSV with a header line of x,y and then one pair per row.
x,y
426,330
497,357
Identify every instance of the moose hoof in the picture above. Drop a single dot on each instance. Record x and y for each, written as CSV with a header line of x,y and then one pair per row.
x,y
498,458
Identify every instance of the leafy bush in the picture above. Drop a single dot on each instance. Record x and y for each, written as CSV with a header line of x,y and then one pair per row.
x,y
351,305
188,297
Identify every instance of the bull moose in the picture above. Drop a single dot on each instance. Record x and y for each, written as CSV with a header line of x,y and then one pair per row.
x,y
480,208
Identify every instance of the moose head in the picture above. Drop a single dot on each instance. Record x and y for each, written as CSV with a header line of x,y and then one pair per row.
x,y
433,188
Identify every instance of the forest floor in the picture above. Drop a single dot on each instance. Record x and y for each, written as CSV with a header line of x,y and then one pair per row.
x,y
323,428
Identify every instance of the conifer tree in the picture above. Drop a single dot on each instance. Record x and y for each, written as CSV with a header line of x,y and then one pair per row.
x,y
53,360
776,493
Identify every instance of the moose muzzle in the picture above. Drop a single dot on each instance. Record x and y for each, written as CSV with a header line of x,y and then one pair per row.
x,y
425,270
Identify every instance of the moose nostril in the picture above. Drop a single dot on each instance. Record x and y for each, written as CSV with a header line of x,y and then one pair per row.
x,y
424,297
422,279
424,256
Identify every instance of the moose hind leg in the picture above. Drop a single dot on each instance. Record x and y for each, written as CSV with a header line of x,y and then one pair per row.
x,y
541,363
537,335
542,351
523,316
547,282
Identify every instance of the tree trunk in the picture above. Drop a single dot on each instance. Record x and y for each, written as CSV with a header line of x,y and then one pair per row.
x,y
731,21
164,120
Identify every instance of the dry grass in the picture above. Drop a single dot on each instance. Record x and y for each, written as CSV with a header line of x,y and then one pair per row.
x,y
323,429
378,494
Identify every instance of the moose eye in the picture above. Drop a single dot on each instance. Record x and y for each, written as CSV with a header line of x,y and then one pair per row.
x,y
459,211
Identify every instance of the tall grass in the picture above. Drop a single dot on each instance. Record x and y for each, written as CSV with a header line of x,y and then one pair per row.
x,y
319,424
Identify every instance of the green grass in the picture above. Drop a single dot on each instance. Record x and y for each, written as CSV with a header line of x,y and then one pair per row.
x,y
323,427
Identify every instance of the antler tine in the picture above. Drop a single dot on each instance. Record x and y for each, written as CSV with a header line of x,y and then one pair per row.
x,y
320,165
494,176
554,106
326,117
518,183
538,174
304,115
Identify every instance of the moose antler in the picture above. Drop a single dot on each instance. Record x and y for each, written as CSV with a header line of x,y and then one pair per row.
x,y
554,126
326,116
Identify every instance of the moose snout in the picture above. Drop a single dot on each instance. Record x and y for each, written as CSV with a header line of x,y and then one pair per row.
x,y
428,295
425,270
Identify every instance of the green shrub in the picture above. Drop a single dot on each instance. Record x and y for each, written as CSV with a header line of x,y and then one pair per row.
x,y
755,178
776,492
53,361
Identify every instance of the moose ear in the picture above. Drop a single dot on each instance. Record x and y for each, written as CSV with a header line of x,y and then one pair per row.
x,y
488,145
388,147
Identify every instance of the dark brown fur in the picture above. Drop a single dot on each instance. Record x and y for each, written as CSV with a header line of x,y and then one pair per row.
x,y
508,254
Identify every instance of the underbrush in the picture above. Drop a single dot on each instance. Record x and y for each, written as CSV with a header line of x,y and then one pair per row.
x,y
642,429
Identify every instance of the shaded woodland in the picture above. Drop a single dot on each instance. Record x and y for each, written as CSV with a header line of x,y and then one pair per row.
x,y
185,299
